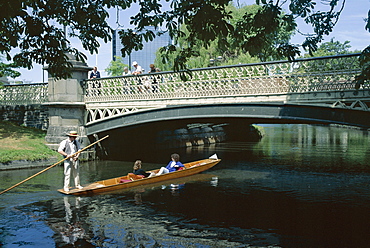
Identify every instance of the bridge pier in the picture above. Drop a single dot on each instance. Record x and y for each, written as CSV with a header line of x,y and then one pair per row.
x,y
67,107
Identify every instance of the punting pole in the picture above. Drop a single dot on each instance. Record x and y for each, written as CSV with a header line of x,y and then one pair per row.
x,y
51,166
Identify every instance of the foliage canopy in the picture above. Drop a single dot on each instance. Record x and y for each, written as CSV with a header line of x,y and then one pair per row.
x,y
214,55
116,66
332,47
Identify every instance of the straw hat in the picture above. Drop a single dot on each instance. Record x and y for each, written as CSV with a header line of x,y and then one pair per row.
x,y
72,134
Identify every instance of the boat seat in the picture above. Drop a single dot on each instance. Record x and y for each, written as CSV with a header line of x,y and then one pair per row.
x,y
133,177
123,180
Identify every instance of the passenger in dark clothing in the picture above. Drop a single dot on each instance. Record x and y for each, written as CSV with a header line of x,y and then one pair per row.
x,y
139,171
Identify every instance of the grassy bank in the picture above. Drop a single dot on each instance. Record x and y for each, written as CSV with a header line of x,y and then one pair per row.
x,y
22,143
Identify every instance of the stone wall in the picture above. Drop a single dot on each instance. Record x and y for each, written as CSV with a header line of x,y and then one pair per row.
x,y
33,115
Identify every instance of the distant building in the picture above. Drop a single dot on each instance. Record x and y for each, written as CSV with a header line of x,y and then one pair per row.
x,y
144,57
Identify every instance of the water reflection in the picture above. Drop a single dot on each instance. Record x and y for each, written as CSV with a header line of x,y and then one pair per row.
x,y
214,181
73,229
66,217
137,197
301,186
127,221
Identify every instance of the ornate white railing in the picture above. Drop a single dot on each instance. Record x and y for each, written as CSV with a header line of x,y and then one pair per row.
x,y
332,73
24,94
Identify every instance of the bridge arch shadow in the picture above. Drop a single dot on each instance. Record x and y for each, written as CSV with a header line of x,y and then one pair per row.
x,y
136,132
221,113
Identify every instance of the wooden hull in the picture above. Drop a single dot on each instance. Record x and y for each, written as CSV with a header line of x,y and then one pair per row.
x,y
131,182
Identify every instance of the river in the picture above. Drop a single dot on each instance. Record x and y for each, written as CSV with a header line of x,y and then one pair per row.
x,y
300,186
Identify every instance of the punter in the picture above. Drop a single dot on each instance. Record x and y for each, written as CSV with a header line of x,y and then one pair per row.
x,y
67,148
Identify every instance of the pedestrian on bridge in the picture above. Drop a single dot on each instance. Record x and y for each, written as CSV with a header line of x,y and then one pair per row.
x,y
95,85
153,69
126,71
95,73
138,69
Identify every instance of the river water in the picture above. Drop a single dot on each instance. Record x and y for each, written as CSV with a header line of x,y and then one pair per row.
x,y
300,186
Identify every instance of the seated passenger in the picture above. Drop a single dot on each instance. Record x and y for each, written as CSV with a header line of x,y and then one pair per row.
x,y
172,166
139,171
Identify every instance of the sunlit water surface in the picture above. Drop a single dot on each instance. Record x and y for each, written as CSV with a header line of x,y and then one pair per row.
x,y
301,186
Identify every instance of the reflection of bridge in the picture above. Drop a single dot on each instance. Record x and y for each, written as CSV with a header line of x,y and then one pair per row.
x,y
319,90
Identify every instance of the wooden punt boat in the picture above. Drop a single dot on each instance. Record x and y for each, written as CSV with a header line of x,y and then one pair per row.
x,y
131,180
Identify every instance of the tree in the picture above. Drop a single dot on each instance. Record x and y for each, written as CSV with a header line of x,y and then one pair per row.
x,y
328,49
364,76
213,55
7,70
36,28
115,67
332,48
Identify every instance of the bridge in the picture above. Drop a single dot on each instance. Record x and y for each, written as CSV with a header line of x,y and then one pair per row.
x,y
309,90
318,90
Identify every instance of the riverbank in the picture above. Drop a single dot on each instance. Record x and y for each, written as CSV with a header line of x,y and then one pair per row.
x,y
23,164
24,147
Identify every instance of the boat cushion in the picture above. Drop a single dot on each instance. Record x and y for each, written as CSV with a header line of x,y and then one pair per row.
x,y
122,180
132,176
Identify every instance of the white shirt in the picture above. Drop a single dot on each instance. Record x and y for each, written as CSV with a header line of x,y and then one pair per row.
x,y
126,73
173,164
139,69
72,147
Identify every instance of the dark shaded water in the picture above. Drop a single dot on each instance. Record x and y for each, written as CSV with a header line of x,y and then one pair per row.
x,y
301,186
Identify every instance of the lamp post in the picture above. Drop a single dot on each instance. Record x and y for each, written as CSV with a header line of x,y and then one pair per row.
x,y
129,61
215,61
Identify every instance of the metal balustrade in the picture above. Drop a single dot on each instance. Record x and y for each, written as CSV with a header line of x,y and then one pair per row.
x,y
24,94
304,75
